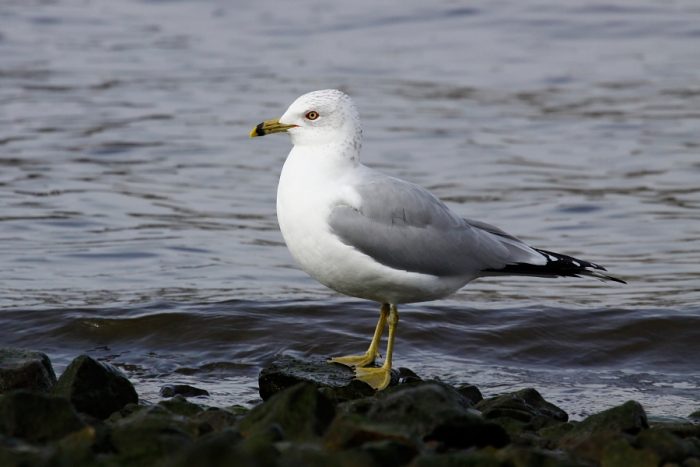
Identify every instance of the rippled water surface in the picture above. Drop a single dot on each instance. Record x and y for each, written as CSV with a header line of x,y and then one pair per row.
x,y
137,219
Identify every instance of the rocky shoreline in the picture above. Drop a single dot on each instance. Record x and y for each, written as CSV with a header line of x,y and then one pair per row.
x,y
313,414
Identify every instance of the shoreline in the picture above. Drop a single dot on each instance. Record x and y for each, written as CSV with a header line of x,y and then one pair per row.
x,y
313,413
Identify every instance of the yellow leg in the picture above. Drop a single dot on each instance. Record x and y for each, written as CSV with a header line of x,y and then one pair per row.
x,y
371,354
379,378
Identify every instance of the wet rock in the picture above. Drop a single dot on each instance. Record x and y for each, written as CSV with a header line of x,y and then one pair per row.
x,y
471,393
25,369
695,415
184,390
335,381
37,417
524,409
95,388
301,412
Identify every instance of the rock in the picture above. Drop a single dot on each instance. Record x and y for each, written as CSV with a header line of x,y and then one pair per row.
x,y
301,412
184,390
349,431
667,446
313,456
95,388
25,369
16,453
334,380
37,417
627,418
214,450
466,431
181,406
426,409
526,407
471,393
218,419
695,415
481,458
620,454
590,439
152,434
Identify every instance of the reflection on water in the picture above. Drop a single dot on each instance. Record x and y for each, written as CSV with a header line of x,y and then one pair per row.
x,y
135,209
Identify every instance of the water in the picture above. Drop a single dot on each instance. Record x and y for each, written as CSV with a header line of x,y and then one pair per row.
x,y
137,219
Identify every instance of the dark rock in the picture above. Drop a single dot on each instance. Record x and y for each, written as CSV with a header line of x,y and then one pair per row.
x,y
471,393
181,406
406,376
152,434
184,390
77,448
667,446
414,409
37,417
466,431
526,407
301,412
336,381
309,455
620,454
15,453
25,369
218,419
95,388
481,458
349,431
695,415
627,418
389,452
214,450
606,434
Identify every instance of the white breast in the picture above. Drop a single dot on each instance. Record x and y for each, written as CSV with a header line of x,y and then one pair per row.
x,y
309,188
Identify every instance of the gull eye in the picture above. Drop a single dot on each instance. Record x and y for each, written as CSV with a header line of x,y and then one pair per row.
x,y
311,115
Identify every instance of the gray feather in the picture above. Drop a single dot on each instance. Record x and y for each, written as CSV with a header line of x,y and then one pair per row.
x,y
403,226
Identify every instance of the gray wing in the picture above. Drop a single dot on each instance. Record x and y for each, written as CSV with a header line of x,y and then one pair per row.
x,y
403,226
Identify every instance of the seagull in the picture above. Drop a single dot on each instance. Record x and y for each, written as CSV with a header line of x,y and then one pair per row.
x,y
369,235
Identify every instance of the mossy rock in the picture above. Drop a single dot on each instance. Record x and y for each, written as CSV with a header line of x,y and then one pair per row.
x,y
622,454
152,434
37,417
629,418
415,409
301,412
17,453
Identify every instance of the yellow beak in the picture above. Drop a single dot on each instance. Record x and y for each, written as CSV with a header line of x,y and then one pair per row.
x,y
270,126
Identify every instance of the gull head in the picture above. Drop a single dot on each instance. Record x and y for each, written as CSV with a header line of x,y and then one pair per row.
x,y
326,117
